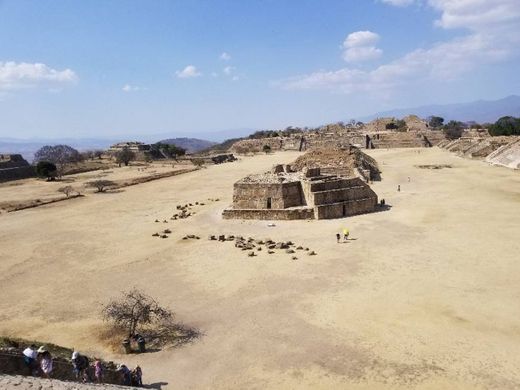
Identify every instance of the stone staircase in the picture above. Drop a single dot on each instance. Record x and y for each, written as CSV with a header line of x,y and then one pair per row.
x,y
507,155
335,197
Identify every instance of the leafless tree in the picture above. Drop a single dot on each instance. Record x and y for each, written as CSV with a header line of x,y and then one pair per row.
x,y
100,185
135,309
67,190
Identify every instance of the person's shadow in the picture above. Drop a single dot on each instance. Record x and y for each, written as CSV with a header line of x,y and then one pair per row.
x,y
156,385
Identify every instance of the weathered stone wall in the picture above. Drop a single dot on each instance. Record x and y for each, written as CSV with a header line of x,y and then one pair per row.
x,y
12,161
264,214
346,209
255,195
20,382
257,145
341,195
14,167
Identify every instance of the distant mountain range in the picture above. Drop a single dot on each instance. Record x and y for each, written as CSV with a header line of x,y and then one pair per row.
x,y
191,145
480,111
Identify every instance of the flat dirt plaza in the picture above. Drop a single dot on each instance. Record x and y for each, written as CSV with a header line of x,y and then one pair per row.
x,y
425,295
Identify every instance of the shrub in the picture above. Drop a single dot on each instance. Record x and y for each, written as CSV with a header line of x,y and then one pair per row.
x,y
46,169
101,185
67,190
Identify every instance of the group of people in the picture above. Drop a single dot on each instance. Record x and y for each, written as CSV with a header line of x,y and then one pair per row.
x,y
346,233
82,370
40,362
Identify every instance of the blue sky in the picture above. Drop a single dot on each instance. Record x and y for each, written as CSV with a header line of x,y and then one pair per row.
x,y
120,68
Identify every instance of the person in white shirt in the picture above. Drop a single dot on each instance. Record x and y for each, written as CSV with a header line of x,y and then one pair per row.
x,y
29,358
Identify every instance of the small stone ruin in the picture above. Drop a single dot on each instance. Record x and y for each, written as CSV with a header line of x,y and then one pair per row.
x,y
282,194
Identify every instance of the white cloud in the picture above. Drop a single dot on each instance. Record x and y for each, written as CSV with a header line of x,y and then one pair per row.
x,y
360,38
359,54
360,46
235,78
27,75
399,3
225,56
493,35
228,70
131,88
188,72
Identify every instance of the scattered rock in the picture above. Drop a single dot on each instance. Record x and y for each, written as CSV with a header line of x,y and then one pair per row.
x,y
289,251
155,235
251,254
167,231
294,258
312,253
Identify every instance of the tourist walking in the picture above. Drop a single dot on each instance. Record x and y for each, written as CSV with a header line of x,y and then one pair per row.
x,y
29,359
80,366
98,371
345,234
46,362
137,376
338,237
399,188
126,375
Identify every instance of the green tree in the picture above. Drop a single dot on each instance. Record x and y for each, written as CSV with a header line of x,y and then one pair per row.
x,y
435,121
46,169
266,149
453,129
506,125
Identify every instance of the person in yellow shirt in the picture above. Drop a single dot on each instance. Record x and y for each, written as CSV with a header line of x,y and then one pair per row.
x,y
345,234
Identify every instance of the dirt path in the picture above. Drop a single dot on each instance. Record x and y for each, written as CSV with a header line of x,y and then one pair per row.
x,y
425,295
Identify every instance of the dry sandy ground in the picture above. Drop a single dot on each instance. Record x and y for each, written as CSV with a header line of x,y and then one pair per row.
x,y
31,189
425,295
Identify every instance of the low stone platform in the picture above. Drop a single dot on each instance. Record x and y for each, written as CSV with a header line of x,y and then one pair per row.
x,y
20,382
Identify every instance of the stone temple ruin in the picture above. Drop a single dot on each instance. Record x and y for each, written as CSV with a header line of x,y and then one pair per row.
x,y
307,194
14,167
